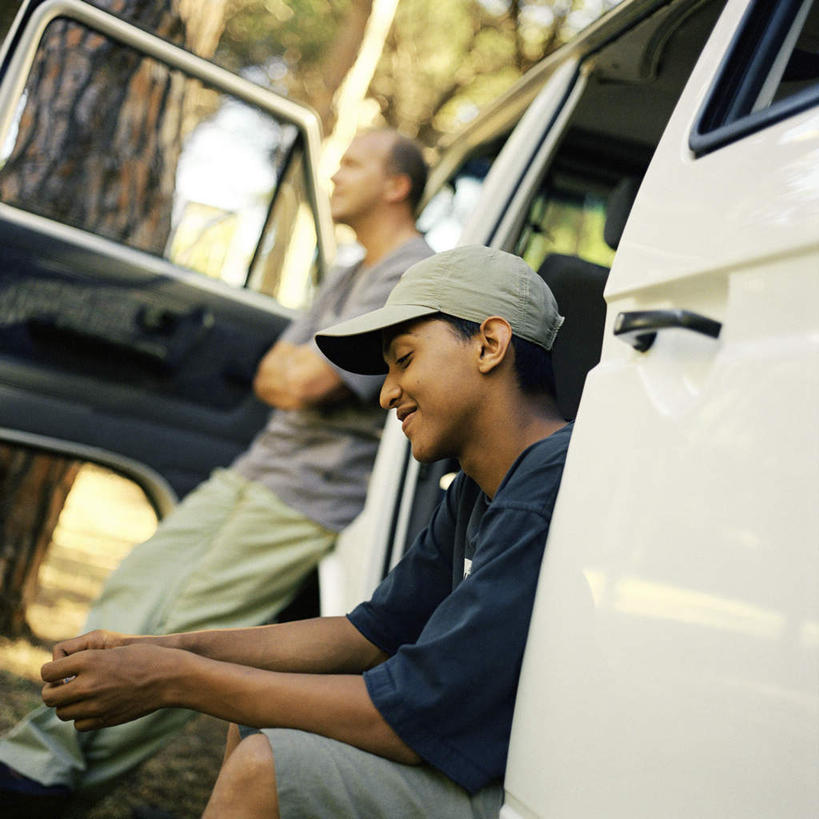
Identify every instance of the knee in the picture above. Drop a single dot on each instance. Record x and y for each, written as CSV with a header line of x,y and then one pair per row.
x,y
246,785
252,761
233,738
247,781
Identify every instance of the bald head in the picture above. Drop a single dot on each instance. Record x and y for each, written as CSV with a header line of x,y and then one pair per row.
x,y
405,157
380,169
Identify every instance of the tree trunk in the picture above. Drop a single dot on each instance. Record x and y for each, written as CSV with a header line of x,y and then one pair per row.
x,y
318,88
33,489
85,91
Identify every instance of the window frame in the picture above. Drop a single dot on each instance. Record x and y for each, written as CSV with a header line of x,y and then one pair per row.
x,y
741,76
27,32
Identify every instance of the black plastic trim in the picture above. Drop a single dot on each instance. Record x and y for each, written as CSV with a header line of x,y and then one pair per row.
x,y
724,116
639,328
396,513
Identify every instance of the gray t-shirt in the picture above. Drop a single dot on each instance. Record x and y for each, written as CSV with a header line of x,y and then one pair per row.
x,y
318,460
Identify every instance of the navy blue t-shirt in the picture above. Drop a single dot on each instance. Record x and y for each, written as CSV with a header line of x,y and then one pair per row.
x,y
454,613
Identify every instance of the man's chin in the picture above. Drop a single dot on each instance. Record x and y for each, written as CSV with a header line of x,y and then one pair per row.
x,y
426,456
339,216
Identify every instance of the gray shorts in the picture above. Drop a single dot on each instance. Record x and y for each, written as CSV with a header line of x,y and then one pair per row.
x,y
326,779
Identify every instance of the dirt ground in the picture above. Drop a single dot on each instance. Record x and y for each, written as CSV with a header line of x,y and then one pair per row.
x,y
103,517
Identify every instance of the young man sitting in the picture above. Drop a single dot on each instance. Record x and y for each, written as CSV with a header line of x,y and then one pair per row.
x,y
404,707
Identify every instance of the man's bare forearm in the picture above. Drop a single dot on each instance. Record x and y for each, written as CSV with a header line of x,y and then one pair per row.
x,y
333,705
321,645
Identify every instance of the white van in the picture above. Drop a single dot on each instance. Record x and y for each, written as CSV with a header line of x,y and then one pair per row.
x,y
672,666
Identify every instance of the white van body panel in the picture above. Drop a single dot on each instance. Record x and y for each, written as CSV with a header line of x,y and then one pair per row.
x,y
672,665
352,570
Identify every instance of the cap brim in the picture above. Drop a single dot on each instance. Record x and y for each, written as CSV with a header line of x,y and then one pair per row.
x,y
356,344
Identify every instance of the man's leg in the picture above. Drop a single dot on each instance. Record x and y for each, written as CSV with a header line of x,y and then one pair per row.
x,y
231,741
316,777
246,785
172,583
263,555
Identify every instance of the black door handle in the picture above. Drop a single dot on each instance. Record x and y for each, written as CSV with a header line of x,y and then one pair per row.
x,y
640,327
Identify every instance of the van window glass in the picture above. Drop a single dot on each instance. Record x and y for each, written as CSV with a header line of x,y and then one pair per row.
x,y
771,72
443,218
563,219
121,145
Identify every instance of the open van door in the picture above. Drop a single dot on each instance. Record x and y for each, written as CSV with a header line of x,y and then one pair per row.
x,y
673,657
160,222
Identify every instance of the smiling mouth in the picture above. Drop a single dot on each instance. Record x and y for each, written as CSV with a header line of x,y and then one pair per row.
x,y
404,414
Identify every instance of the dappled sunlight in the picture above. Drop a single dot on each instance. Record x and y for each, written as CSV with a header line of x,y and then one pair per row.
x,y
22,658
104,505
104,516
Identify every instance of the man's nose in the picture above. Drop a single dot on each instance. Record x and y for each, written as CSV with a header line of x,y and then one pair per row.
x,y
390,393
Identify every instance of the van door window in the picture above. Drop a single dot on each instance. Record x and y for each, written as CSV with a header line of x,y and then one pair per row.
x,y
609,129
566,220
569,211
443,217
771,72
119,144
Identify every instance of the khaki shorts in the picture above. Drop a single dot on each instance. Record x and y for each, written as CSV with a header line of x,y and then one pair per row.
x,y
326,779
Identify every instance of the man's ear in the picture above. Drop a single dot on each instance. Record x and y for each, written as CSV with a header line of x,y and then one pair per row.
x,y
397,188
495,338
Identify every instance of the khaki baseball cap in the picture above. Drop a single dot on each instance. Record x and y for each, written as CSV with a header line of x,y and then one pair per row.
x,y
470,282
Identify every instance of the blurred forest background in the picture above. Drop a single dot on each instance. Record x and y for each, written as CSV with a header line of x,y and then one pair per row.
x,y
423,66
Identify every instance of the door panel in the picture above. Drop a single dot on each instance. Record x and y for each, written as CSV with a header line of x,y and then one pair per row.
x,y
144,193
144,365
673,656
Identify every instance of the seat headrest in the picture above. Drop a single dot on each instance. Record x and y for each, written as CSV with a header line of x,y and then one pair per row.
x,y
619,206
578,287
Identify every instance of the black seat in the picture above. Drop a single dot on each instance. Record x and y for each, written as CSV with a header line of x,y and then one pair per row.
x,y
578,287
618,209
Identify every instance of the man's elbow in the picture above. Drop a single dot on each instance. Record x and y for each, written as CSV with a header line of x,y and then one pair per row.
x,y
259,386
277,395
393,747
389,744
299,392
407,756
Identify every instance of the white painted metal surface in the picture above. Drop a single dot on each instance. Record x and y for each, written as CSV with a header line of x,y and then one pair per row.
x,y
350,573
673,661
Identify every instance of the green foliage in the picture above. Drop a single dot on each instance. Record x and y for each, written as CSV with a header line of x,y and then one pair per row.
x,y
296,33
429,77
445,59
442,62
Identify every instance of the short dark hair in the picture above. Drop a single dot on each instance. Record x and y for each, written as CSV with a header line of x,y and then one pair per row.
x,y
533,364
405,157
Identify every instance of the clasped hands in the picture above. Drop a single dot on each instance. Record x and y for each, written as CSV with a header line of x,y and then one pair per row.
x,y
104,678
